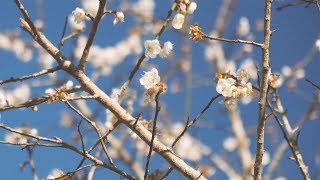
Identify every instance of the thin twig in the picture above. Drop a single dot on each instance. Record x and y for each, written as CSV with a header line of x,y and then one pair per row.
x,y
189,124
233,41
81,137
293,146
313,84
93,124
167,173
95,24
157,99
63,32
30,76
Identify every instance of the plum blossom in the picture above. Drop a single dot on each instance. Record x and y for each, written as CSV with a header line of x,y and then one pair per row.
x,y
226,86
243,27
191,7
152,48
150,78
55,174
317,44
76,26
286,71
166,50
118,17
79,15
230,144
178,21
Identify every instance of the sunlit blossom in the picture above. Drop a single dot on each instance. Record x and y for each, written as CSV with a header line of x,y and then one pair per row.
x,y
152,47
178,21
79,15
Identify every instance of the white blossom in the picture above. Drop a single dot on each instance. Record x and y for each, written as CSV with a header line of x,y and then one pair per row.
x,y
286,71
243,27
178,21
250,68
225,86
118,17
74,25
79,15
299,73
3,101
90,6
54,174
152,48
150,78
317,44
16,138
191,7
266,158
144,9
166,50
280,178
230,144
275,80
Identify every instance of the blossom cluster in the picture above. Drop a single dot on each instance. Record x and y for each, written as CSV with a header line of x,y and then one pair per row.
x,y
59,94
184,7
153,48
234,86
151,82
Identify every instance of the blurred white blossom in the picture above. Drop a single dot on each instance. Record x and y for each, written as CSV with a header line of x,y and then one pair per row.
x,y
17,95
266,158
16,138
10,42
280,178
243,28
191,7
286,71
90,6
74,25
299,73
144,9
317,44
230,144
250,68
275,80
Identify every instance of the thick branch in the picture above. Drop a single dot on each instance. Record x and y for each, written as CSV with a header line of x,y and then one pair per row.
x,y
263,90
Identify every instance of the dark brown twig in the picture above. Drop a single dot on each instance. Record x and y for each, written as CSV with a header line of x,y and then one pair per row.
x,y
313,84
157,99
63,33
